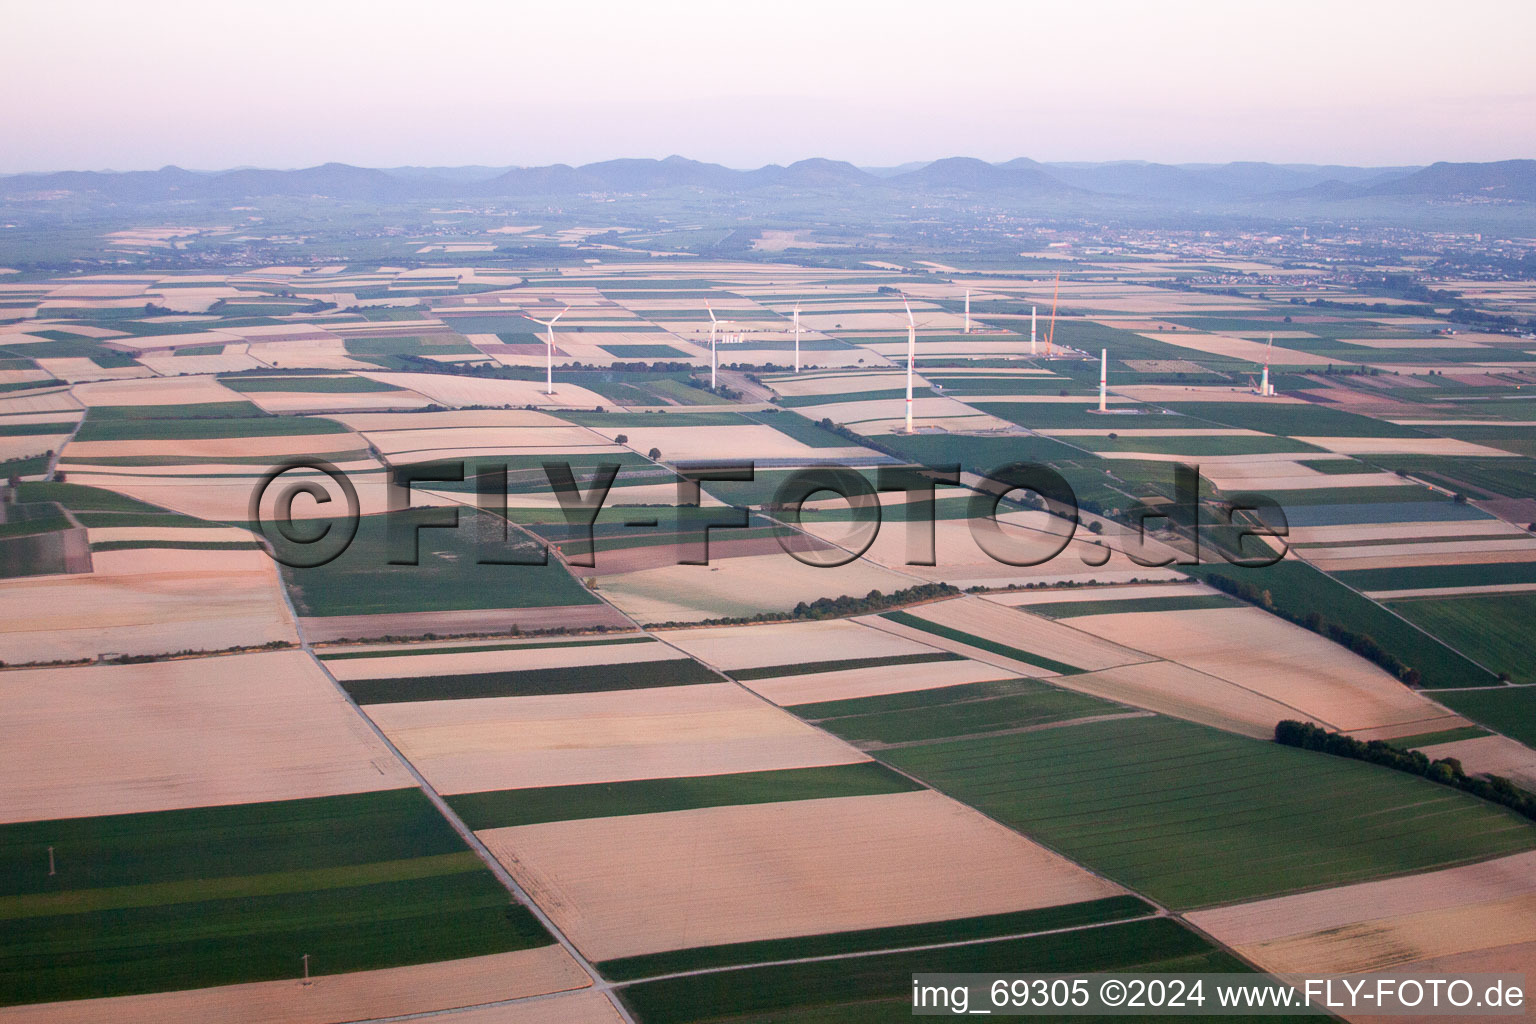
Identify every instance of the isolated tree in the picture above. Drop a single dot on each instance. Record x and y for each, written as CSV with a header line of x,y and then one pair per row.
x,y
621,439
654,455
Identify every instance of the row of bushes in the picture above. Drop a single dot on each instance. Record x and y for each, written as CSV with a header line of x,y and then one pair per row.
x,y
829,607
1362,644
1447,770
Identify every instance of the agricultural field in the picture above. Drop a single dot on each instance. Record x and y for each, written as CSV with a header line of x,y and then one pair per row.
x,y
511,755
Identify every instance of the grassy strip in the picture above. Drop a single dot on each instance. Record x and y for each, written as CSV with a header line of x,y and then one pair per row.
x,y
95,429
950,711
409,652
85,901
878,987
972,640
1102,911
309,385
1073,609
100,519
189,545
1429,739
532,682
807,668
504,808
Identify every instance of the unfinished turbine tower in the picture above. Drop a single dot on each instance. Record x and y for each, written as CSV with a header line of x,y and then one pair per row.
x,y
911,355
549,347
967,311
1265,390
1103,380
1031,330
797,337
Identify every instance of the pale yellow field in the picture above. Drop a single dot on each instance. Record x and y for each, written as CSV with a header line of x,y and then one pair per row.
x,y
568,1008
234,359
334,998
739,586
138,604
1032,633
335,401
76,369
648,882
787,643
446,389
838,383
1521,553
1405,446
736,443
1172,689
1497,755
477,438
57,400
117,739
465,746
1237,348
869,682
374,422
1378,926
1274,659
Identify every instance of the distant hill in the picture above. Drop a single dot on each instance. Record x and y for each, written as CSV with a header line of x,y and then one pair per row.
x,y
1232,185
1506,179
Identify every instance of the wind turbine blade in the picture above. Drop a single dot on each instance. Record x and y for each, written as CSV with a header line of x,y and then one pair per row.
x,y
908,305
560,314
712,317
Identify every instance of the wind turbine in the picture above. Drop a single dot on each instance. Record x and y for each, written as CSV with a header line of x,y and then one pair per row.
x,y
911,356
1103,380
1031,330
967,311
714,325
797,337
1264,390
549,347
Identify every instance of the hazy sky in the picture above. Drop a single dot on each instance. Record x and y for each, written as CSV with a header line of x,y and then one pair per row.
x,y
108,84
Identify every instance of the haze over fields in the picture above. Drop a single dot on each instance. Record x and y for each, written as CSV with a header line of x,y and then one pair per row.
x,y
460,562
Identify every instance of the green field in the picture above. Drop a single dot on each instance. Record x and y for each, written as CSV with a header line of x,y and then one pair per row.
x,y
1491,629
1192,817
223,895
1509,709
363,582
1308,420
187,428
1023,922
982,643
503,808
878,988
532,682
1415,576
968,709
323,385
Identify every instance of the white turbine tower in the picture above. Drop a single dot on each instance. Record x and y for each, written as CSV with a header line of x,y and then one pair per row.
x,y
967,311
797,337
911,356
549,347
1031,330
714,325
1264,389
1103,380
